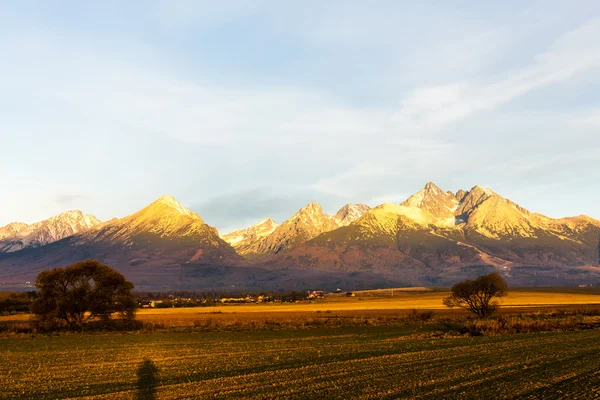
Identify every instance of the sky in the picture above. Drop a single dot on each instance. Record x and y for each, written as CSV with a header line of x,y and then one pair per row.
x,y
247,109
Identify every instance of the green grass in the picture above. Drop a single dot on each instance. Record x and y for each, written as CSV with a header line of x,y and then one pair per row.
x,y
374,362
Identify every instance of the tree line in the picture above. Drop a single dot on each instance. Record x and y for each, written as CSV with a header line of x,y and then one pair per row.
x,y
86,291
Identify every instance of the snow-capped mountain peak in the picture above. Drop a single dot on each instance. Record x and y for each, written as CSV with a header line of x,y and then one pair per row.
x,y
12,229
169,201
439,205
48,231
350,213
255,232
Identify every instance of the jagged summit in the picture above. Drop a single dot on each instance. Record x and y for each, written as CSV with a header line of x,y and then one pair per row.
x,y
350,213
308,222
17,236
430,192
266,222
266,237
472,199
76,215
167,199
311,207
438,204
164,217
311,216
12,229
170,202
460,195
262,228
245,240
432,187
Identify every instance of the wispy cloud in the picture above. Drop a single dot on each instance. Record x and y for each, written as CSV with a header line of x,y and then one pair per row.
x,y
309,100
433,108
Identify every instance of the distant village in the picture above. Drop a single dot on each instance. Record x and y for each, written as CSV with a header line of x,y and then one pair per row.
x,y
185,299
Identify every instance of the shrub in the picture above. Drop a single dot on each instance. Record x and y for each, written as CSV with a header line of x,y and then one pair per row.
x,y
422,316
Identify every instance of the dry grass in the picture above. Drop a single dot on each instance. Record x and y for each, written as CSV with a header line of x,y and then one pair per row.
x,y
371,308
339,310
233,321
540,321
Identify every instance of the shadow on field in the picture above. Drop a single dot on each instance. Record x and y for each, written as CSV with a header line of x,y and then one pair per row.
x,y
147,380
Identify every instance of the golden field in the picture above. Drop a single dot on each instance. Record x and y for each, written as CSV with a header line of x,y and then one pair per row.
x,y
367,308
370,346
403,299
366,304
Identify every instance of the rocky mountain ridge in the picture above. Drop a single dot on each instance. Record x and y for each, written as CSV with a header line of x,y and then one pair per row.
x,y
437,236
434,237
350,213
17,236
266,238
244,239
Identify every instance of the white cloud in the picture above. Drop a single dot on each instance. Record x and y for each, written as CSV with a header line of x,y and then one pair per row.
x,y
171,124
108,91
433,108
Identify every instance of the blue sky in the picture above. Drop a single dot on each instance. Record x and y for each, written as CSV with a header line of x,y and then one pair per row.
x,y
248,109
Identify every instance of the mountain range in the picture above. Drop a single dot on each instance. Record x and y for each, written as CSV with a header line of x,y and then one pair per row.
x,y
17,235
266,238
433,238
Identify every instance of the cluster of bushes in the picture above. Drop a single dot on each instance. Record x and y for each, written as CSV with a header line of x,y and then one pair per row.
x,y
320,319
563,320
498,325
17,303
183,303
416,316
36,326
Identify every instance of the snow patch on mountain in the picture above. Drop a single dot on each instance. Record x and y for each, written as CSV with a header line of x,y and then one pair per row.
x,y
48,231
12,229
255,232
350,213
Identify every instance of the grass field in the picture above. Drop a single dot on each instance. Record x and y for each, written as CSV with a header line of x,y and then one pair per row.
x,y
365,363
340,310
366,347
407,300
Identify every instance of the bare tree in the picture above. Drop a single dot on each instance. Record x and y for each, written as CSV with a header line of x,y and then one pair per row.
x,y
478,296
